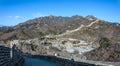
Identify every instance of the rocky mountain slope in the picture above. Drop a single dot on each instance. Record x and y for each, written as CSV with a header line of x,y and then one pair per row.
x,y
110,53
65,35
43,26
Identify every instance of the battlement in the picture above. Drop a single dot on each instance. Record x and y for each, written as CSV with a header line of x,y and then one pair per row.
x,y
7,60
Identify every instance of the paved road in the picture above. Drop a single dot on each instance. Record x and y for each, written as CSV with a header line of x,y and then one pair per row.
x,y
38,62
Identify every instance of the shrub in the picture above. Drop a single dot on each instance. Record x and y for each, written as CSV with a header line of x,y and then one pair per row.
x,y
47,43
63,42
105,42
76,42
33,47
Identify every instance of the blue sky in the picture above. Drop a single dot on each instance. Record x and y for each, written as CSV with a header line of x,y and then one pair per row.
x,y
13,12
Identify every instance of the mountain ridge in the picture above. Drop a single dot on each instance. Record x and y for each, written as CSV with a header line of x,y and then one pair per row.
x,y
87,29
54,25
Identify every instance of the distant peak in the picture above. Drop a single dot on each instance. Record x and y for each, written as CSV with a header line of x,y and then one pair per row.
x,y
77,17
74,16
1,25
91,17
51,16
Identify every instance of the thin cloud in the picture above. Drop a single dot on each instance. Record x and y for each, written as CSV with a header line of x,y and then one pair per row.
x,y
17,17
10,16
38,14
14,17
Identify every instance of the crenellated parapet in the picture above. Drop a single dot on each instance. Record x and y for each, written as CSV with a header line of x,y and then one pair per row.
x,y
10,56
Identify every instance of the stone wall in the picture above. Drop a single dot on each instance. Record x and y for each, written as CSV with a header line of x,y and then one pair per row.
x,y
61,61
8,58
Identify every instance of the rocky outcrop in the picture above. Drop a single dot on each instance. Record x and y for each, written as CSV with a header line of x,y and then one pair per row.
x,y
63,47
110,53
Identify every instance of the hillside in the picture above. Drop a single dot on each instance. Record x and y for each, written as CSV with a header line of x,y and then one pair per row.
x,y
65,35
44,26
110,53
57,25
